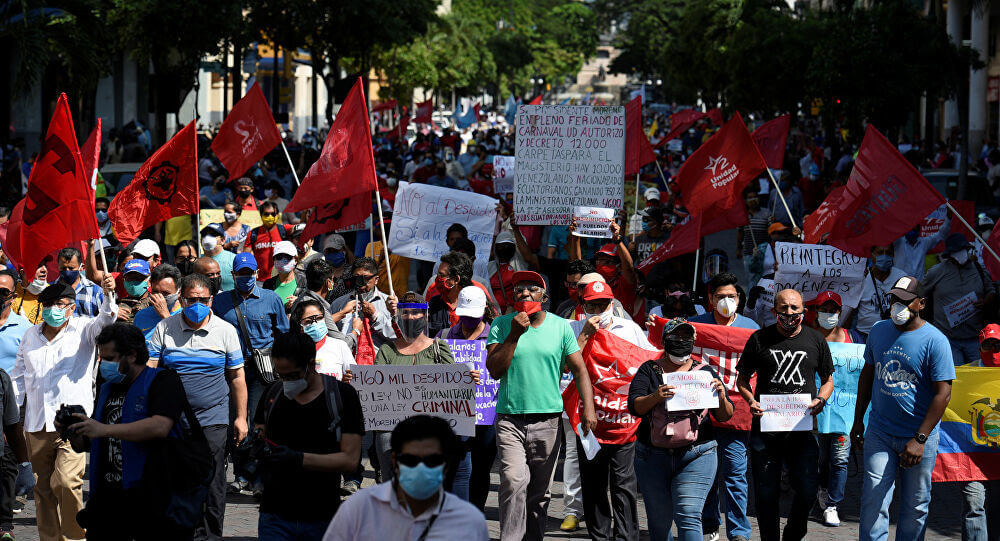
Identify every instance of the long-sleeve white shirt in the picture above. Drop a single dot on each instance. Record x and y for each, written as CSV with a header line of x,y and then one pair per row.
x,y
910,257
50,374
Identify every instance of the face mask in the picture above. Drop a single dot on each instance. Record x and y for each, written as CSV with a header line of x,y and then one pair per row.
x,y
216,284
961,257
244,193
680,348
53,316
186,267
391,182
209,243
269,221
789,322
421,481
245,283
197,312
608,272
69,276
336,258
883,262
753,204
37,285
645,227
574,294
136,289
285,266
469,322
605,317
785,186
726,307
441,284
269,193
109,371
678,360
102,216
230,216
411,328
316,330
528,307
990,358
912,236
367,296
291,389
900,313
827,320
505,252
171,299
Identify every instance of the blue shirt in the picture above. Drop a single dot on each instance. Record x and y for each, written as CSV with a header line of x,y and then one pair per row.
x,y
263,310
10,339
741,321
147,318
444,182
218,199
558,236
89,297
906,366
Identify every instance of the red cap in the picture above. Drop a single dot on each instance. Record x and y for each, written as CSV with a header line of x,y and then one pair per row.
x,y
528,276
597,290
990,331
828,296
609,249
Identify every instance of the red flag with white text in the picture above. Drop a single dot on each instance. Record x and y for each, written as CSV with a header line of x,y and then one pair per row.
x,y
638,151
721,347
684,239
247,135
820,221
770,138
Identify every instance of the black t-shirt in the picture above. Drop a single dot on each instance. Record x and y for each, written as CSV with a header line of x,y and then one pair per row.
x,y
166,397
645,382
786,365
298,493
645,245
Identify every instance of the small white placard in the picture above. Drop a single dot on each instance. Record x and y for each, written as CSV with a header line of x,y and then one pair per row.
x,y
590,444
693,390
960,310
593,222
786,413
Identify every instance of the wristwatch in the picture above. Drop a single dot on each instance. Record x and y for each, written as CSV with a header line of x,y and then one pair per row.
x,y
921,438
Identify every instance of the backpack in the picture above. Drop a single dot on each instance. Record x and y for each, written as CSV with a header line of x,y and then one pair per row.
x,y
334,403
282,234
674,429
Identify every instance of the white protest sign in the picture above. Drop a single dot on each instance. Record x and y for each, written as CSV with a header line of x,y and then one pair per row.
x,y
766,296
960,310
593,222
693,390
786,413
567,156
813,268
503,174
422,215
389,394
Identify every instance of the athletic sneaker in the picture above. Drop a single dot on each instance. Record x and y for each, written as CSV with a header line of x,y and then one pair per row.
x,y
830,517
713,536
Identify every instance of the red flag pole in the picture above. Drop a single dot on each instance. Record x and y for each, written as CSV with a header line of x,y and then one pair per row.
x,y
956,214
295,175
780,196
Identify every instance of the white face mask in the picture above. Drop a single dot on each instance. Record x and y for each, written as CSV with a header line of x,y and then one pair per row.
x,y
209,243
961,257
678,360
37,285
900,313
727,307
605,317
827,320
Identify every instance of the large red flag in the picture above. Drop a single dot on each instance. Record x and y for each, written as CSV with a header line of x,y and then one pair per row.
x,y
248,133
537,100
638,151
164,187
715,115
770,138
684,239
820,222
679,123
611,362
718,219
719,170
425,112
338,215
884,198
721,347
347,165
58,208
91,155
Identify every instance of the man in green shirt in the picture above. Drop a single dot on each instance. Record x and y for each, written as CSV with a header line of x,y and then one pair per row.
x,y
527,351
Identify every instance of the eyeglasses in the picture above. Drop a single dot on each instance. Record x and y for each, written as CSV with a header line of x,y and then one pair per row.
x,y
189,258
363,277
294,376
410,461
60,305
530,289
268,213
310,320
195,300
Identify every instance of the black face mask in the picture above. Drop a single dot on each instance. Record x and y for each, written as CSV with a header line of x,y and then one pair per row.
x,y
186,267
505,252
216,284
679,347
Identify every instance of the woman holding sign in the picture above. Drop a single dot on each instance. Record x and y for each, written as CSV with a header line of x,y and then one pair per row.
x,y
675,455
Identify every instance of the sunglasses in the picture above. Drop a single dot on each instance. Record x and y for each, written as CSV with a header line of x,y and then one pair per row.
x,y
410,461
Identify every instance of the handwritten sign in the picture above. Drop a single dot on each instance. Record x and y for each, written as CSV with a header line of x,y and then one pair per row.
x,y
837,416
214,216
961,310
567,156
593,222
813,268
693,390
422,215
503,174
786,413
473,353
390,394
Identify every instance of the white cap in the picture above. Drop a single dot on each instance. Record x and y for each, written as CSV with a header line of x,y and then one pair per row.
x,y
146,248
590,278
652,193
505,237
471,302
285,247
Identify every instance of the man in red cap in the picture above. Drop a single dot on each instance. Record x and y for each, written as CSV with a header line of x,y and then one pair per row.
x,y
614,263
980,497
527,350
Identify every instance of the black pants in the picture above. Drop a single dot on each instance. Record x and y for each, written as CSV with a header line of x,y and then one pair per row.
x,y
613,468
799,452
127,516
484,454
211,526
8,476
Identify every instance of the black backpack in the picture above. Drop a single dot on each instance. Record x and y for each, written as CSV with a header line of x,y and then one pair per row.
x,y
334,403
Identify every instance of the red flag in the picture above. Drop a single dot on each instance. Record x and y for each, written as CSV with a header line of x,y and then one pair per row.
x,y
391,104
684,239
715,115
425,111
932,224
611,362
399,132
820,222
338,215
366,347
718,219
638,152
884,198
91,155
721,348
476,109
247,135
679,123
537,100
58,208
770,138
347,165
164,187
719,170
991,263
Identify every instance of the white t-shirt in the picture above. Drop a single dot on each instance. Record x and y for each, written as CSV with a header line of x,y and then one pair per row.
x,y
333,357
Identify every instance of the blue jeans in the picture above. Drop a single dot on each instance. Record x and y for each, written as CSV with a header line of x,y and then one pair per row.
x,y
981,511
463,471
881,467
270,526
674,484
834,452
733,473
799,452
964,351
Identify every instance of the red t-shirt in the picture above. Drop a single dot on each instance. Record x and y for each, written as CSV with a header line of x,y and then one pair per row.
x,y
507,273
263,248
625,293
250,204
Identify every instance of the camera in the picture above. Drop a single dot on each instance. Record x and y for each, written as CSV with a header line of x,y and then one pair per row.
x,y
249,453
66,419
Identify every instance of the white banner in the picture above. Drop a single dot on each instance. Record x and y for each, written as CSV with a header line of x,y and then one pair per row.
x,y
422,215
503,174
390,394
814,268
568,156
593,222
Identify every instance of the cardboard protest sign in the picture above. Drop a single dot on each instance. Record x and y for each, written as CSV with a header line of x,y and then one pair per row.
x,y
814,268
593,222
567,156
423,213
473,353
503,174
837,416
389,394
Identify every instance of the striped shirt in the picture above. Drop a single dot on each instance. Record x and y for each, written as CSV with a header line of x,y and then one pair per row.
x,y
201,358
89,297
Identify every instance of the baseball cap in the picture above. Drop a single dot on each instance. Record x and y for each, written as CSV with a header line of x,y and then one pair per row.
x,y
102,245
212,230
907,288
990,331
982,220
589,278
651,193
528,276
671,326
244,260
471,302
55,292
505,237
597,290
334,242
609,249
285,247
955,242
137,265
146,248
775,227
827,296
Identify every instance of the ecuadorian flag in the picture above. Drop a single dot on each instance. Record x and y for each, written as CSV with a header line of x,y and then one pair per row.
x,y
969,449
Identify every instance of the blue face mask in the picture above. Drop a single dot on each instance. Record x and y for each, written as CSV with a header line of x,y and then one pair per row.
x,y
336,258
197,312
645,227
421,481
316,330
245,283
69,276
136,289
102,216
109,371
883,262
